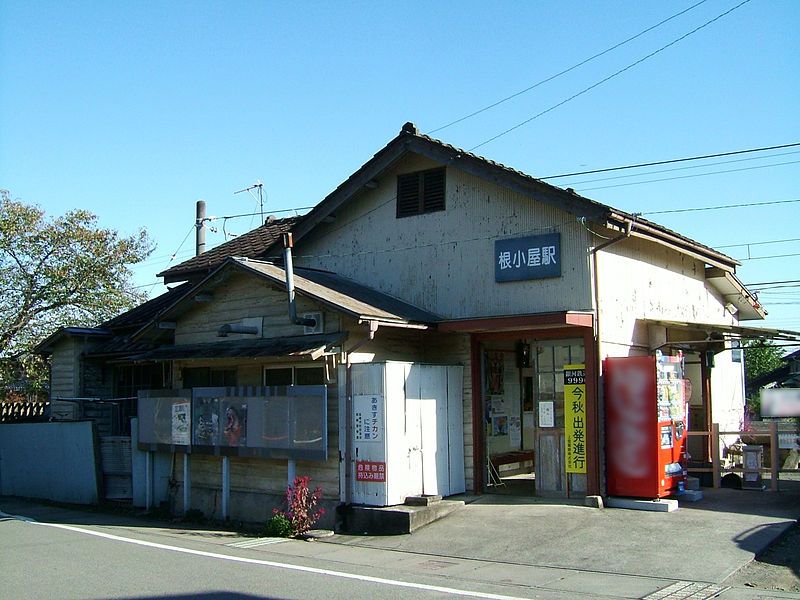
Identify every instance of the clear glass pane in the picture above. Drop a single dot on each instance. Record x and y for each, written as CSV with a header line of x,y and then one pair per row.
x,y
561,357
546,386
578,354
276,377
545,358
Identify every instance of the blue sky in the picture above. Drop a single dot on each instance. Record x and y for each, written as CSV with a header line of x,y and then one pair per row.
x,y
135,110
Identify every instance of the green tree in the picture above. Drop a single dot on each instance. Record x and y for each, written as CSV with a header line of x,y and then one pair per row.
x,y
58,272
760,357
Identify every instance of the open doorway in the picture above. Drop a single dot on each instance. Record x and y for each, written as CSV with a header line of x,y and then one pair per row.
x,y
524,417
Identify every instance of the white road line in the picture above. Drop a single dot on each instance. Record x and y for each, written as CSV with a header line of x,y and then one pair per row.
x,y
255,543
278,565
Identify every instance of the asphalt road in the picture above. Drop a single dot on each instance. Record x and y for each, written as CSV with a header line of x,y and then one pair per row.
x,y
40,560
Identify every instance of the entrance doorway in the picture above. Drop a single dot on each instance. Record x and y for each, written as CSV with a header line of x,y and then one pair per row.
x,y
524,416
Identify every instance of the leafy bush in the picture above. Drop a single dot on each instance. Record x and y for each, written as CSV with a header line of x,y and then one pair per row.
x,y
301,506
194,515
278,526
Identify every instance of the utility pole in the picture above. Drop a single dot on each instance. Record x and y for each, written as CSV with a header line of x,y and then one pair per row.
x,y
200,226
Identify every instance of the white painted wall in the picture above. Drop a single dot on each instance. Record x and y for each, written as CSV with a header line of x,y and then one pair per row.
x,y
444,261
639,281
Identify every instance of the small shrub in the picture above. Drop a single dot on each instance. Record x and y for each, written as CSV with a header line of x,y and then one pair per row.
x,y
278,526
301,506
194,515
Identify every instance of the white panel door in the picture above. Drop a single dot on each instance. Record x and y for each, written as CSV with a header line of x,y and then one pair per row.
x,y
455,429
413,410
435,459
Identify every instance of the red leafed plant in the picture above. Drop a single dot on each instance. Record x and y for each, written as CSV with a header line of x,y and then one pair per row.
x,y
301,506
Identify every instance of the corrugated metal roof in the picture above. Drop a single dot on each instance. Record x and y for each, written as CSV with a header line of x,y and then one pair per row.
x,y
283,346
250,245
344,294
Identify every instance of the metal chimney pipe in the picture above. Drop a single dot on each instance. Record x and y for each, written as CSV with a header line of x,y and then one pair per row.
x,y
287,265
200,226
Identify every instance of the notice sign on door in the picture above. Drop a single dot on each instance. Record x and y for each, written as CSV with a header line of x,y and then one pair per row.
x,y
368,418
368,470
575,417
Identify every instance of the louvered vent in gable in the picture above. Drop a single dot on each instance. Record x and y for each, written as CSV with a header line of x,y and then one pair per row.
x,y
420,192
407,194
433,186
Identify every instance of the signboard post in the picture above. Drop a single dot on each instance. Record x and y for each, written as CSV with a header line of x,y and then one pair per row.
x,y
575,417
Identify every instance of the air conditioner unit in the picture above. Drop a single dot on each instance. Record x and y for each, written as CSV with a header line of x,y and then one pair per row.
x,y
318,328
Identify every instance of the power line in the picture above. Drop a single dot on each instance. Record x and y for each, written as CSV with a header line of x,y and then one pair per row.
x,y
773,256
605,187
670,161
719,207
565,71
602,81
772,282
760,243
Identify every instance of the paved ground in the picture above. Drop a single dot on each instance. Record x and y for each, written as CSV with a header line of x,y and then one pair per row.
x,y
516,547
704,541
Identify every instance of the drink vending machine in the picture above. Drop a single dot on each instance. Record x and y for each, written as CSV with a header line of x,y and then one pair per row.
x,y
646,424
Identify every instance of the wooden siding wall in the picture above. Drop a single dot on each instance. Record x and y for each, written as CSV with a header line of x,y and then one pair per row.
x,y
640,280
243,297
65,369
444,261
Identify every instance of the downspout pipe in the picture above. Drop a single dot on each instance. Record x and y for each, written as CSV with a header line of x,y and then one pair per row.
x,y
287,265
624,236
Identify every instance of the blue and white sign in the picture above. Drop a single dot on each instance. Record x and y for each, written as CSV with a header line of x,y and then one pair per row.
x,y
531,257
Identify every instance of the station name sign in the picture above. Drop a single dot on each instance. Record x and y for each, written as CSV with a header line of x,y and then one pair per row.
x,y
531,257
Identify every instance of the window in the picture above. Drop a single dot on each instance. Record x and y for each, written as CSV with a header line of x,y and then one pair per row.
x,y
420,192
208,377
280,376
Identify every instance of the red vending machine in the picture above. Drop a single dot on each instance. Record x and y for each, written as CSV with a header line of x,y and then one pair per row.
x,y
645,406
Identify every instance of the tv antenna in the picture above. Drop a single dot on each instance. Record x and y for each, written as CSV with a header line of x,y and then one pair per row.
x,y
259,185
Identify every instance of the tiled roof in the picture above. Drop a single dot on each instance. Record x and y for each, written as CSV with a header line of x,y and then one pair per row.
x,y
144,313
249,245
410,140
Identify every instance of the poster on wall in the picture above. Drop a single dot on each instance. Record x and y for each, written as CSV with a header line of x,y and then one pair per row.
x,y
547,414
368,418
206,421
575,417
233,413
494,372
181,424
500,425
514,432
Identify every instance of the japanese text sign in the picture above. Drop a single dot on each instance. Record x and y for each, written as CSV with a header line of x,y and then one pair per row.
x,y
531,257
575,417
368,418
367,470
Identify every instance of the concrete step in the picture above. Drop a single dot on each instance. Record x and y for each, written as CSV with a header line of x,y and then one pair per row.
x,y
392,520
422,500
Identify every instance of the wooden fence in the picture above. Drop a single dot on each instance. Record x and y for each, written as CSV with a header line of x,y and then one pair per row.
x,y
19,412
716,469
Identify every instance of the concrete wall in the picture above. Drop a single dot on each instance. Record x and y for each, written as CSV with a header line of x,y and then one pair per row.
x,y
444,261
54,461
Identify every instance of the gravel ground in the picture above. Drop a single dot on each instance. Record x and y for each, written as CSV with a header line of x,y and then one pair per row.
x,y
777,569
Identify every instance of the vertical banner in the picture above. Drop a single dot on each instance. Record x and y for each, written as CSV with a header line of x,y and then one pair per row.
x,y
575,417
